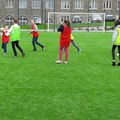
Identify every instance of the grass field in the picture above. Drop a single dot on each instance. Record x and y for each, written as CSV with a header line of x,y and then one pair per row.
x,y
35,88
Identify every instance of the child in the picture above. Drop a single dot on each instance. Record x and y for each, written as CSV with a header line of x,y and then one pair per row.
x,y
15,37
73,43
116,42
5,38
64,40
35,36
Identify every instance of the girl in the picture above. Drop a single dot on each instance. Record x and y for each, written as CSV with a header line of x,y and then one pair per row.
x,y
72,40
116,42
15,37
64,40
35,36
5,39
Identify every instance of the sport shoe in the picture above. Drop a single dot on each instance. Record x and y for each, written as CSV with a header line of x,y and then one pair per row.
x,y
113,64
43,48
23,54
117,54
118,64
79,50
66,62
58,62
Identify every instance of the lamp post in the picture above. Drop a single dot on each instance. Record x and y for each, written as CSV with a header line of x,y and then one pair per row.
x,y
88,13
18,9
54,15
42,7
119,8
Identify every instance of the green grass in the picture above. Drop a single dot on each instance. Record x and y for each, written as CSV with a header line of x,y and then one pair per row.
x,y
35,88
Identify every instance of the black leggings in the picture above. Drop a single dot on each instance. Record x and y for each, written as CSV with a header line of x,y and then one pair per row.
x,y
113,51
16,44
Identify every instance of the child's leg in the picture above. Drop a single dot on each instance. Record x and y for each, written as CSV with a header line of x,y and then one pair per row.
x,y
33,43
119,52
60,53
5,48
20,49
13,47
66,54
73,43
42,46
113,52
2,45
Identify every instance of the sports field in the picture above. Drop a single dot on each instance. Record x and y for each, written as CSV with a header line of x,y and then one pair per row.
x,y
35,88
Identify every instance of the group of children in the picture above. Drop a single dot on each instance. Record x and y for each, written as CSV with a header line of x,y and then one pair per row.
x,y
66,38
13,34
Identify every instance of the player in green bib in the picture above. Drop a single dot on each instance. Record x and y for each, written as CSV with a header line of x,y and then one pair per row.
x,y
15,37
116,42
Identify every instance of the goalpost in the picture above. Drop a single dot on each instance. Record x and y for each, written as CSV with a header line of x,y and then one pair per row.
x,y
79,21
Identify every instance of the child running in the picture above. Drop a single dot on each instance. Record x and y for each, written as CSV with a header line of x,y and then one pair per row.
x,y
116,42
72,40
15,37
5,39
35,36
65,30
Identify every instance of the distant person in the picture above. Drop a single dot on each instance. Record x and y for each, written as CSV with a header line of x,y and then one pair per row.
x,y
5,38
65,30
15,38
116,42
35,34
72,40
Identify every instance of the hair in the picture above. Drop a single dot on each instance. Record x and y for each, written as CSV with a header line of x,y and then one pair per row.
x,y
67,22
117,22
16,21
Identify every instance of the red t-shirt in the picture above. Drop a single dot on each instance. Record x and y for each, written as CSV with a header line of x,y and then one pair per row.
x,y
34,32
65,37
5,38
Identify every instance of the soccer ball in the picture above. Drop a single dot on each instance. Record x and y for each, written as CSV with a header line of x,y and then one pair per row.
x,y
117,54
1,29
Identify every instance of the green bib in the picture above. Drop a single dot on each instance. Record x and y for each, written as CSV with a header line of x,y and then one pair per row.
x,y
15,34
117,42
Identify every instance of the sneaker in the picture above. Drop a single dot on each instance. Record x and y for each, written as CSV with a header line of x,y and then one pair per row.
x,y
34,50
113,64
66,62
79,50
118,64
117,54
5,54
23,54
58,62
43,48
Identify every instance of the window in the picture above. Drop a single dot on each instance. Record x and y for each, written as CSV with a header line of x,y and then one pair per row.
x,y
22,3
49,4
65,4
9,3
107,5
79,4
118,4
36,4
93,5
65,18
23,20
9,20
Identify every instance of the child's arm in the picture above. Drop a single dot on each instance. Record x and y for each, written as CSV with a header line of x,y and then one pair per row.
x,y
7,33
61,28
115,33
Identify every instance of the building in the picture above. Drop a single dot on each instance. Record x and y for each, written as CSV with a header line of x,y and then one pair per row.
x,y
38,9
